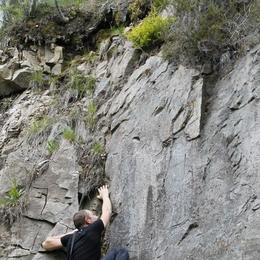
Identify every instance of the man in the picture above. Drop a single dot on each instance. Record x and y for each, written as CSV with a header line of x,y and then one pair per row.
x,y
84,243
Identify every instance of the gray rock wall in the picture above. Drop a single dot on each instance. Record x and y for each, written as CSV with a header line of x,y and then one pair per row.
x,y
185,179
182,162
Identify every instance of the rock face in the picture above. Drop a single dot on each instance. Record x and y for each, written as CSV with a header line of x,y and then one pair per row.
x,y
182,160
16,74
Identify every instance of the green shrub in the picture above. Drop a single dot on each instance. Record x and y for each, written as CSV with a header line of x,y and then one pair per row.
x,y
91,118
98,148
81,83
117,30
37,76
150,32
76,79
92,109
137,9
52,145
91,121
197,34
14,194
90,83
69,134
40,124
206,29
11,205
37,80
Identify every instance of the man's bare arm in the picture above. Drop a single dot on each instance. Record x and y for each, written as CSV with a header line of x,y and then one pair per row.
x,y
53,243
106,206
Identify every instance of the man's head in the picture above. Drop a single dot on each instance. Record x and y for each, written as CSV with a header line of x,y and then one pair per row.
x,y
84,218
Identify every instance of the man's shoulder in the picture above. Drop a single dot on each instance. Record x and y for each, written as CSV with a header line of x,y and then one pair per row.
x,y
98,224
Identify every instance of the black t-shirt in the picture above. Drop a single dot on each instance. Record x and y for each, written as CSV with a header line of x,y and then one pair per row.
x,y
87,243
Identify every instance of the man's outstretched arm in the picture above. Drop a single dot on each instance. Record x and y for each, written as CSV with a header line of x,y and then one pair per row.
x,y
106,206
53,243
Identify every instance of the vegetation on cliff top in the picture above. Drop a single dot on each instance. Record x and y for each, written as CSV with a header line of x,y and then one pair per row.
x,y
45,26
201,30
198,30
206,29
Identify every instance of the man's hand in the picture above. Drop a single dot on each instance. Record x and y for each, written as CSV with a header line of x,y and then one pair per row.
x,y
103,192
106,206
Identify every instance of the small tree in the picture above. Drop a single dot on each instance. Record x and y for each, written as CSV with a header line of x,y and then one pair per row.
x,y
32,7
61,15
32,10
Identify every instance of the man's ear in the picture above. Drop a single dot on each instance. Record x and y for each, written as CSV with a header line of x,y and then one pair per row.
x,y
87,220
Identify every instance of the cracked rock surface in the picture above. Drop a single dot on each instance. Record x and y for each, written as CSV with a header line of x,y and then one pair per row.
x,y
182,162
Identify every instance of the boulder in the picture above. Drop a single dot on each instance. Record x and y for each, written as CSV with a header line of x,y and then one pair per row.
x,y
22,77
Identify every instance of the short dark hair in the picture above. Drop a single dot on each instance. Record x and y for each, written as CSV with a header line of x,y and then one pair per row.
x,y
79,218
